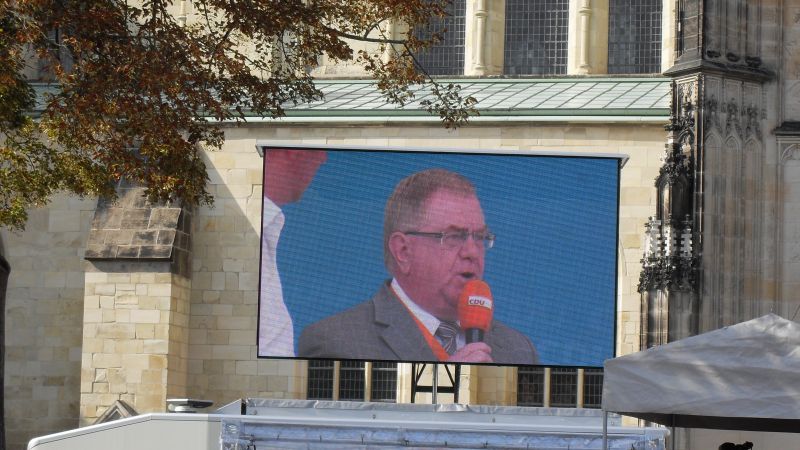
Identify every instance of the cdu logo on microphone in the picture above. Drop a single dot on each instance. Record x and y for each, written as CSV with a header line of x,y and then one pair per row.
x,y
478,300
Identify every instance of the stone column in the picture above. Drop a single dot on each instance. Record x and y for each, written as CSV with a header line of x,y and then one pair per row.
x,y
496,385
485,29
136,306
480,37
584,15
588,37
668,29
467,385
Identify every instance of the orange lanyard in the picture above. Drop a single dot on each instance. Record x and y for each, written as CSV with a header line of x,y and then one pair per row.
x,y
433,343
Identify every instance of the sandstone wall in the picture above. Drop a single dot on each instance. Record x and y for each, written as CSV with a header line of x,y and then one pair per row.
x,y
44,320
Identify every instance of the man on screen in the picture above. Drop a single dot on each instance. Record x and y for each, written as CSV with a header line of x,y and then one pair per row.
x,y
287,174
435,239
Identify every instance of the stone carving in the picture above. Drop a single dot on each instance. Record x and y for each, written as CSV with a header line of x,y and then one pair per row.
x,y
670,261
711,114
752,120
732,120
682,112
678,156
753,61
791,152
686,91
674,269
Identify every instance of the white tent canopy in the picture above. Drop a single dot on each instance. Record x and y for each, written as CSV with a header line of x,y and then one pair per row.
x,y
743,377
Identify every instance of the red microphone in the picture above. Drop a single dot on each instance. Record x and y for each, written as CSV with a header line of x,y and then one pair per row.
x,y
475,308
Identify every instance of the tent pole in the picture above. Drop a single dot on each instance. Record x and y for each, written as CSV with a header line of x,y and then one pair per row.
x,y
435,387
605,430
672,435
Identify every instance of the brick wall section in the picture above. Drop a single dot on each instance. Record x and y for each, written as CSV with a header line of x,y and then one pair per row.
x,y
135,337
178,337
44,310
225,263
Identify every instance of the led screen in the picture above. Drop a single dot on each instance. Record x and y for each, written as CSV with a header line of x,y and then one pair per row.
x,y
539,230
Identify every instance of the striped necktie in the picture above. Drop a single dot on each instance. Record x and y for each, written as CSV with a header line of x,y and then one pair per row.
x,y
446,334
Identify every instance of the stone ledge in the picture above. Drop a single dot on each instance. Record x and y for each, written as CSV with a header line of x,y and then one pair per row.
x,y
133,229
788,129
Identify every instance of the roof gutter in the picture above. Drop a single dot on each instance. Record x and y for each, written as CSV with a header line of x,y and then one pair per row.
x,y
483,120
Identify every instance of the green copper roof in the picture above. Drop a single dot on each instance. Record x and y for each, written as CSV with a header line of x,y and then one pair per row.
x,y
551,99
507,97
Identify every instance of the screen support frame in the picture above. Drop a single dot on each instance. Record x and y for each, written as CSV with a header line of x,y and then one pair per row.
x,y
417,369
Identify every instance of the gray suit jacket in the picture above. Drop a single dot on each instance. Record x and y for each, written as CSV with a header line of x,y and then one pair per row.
x,y
383,329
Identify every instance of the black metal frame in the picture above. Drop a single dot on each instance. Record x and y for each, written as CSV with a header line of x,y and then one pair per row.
x,y
434,388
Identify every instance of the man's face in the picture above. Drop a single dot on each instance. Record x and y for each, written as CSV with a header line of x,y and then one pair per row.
x,y
436,273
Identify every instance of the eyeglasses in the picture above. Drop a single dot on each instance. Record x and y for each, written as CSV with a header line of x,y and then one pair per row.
x,y
456,239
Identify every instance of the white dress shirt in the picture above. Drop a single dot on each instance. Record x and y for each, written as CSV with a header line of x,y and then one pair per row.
x,y
276,331
427,319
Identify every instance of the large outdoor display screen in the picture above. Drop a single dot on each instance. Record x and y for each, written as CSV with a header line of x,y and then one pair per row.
x,y
434,256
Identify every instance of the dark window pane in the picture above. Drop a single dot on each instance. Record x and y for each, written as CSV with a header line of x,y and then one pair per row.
x,y
320,380
384,382
530,386
634,36
563,388
351,380
446,57
536,37
592,388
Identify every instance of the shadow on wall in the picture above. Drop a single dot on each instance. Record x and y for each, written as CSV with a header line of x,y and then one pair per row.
x,y
224,280
4,271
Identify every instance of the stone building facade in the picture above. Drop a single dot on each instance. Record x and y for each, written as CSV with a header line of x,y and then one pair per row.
x,y
140,303
135,330
734,128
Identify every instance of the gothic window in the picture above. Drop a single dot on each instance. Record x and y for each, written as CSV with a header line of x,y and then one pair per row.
x,y
447,56
536,37
634,36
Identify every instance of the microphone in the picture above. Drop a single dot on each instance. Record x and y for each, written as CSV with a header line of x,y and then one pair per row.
x,y
475,308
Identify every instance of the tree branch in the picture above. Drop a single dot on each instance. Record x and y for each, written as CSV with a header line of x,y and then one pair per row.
x,y
365,38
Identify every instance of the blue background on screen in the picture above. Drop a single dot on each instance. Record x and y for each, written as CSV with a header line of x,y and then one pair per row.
x,y
552,271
